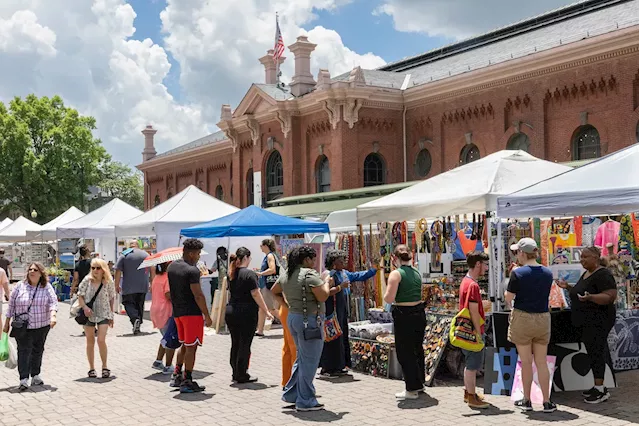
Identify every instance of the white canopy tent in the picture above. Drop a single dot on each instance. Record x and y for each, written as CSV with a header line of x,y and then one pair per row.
x,y
48,230
6,222
188,208
100,222
16,232
606,186
473,187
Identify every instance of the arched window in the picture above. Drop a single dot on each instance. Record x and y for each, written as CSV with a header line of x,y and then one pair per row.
x,y
469,154
422,167
519,141
586,143
374,170
156,200
219,193
323,175
275,178
250,187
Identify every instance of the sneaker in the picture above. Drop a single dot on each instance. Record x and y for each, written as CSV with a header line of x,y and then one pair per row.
x,y
403,396
24,385
316,407
589,392
157,365
466,397
176,380
474,402
189,386
524,405
168,370
247,380
597,397
136,326
549,407
36,381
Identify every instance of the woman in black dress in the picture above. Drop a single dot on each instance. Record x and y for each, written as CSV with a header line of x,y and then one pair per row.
x,y
241,314
594,312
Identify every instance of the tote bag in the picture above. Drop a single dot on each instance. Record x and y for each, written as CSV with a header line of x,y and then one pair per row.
x,y
461,332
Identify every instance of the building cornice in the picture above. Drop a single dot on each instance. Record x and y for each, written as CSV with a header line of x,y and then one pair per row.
x,y
153,165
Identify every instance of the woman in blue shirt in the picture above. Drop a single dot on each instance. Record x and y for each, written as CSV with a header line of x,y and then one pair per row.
x,y
336,355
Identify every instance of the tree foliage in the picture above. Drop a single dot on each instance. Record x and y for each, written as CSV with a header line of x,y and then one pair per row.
x,y
117,180
49,157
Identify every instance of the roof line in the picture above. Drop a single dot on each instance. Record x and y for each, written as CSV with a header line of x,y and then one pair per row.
x,y
546,19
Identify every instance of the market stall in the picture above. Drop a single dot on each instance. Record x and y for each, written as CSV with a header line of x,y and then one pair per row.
x,y
14,235
47,232
595,204
188,208
463,201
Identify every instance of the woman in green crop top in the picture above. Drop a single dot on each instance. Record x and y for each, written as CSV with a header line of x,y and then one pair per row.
x,y
404,290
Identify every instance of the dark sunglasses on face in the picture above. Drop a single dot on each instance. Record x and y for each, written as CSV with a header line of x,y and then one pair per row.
x,y
33,270
93,268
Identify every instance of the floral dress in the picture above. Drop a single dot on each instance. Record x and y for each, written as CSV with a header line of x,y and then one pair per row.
x,y
102,305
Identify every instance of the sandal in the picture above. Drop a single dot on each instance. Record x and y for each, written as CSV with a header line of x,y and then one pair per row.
x,y
106,373
92,374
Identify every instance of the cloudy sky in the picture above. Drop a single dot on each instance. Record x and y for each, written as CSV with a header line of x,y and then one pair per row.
x,y
172,63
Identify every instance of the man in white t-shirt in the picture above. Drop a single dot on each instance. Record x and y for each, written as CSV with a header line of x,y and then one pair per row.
x,y
4,286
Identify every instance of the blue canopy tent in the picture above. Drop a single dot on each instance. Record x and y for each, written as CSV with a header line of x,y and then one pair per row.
x,y
253,222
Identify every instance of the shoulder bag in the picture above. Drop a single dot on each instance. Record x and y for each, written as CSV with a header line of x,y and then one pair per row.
x,y
331,325
461,333
81,318
309,333
270,280
21,321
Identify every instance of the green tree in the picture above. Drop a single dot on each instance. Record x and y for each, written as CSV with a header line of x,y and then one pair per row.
x,y
117,180
48,156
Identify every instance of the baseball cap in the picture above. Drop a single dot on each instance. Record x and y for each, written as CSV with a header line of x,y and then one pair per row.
x,y
526,245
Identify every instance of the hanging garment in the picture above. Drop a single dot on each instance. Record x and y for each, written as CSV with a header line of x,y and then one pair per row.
x,y
590,226
577,226
544,241
626,235
608,233
634,225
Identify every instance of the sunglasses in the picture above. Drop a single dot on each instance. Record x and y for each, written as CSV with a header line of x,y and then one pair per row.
x,y
34,270
93,268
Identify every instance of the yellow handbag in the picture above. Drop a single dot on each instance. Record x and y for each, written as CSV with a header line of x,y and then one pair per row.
x,y
461,332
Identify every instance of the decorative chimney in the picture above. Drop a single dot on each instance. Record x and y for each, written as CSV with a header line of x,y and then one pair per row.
x,y
149,150
302,81
225,113
324,79
270,76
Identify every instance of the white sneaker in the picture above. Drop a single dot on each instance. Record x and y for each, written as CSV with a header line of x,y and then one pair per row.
x,y
24,385
168,370
407,395
36,381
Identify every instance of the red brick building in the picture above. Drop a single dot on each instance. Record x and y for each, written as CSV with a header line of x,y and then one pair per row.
x,y
563,86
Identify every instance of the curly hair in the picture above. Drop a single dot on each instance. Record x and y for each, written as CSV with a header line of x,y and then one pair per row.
x,y
332,256
192,244
297,255
268,242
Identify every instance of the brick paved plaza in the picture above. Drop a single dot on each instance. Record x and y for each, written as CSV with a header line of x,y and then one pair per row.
x,y
139,396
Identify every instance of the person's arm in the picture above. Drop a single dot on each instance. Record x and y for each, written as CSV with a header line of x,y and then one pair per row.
x,y
319,287
10,270
392,286
53,305
117,279
76,282
512,289
362,275
607,290
475,316
276,290
5,287
271,262
11,310
257,297
198,295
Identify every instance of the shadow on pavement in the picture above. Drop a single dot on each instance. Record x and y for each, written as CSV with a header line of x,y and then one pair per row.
x,y
269,337
166,378
339,379
251,386
324,416
97,380
557,416
424,401
491,411
142,333
192,397
34,389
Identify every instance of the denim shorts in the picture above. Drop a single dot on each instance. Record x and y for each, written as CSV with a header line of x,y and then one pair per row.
x,y
473,360
93,324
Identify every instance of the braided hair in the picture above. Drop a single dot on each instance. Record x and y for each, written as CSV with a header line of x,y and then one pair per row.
x,y
296,257
332,256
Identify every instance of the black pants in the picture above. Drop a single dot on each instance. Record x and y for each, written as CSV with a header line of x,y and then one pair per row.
x,y
242,324
409,323
30,350
134,305
594,338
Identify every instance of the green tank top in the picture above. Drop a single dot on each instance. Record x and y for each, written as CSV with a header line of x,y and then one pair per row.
x,y
410,287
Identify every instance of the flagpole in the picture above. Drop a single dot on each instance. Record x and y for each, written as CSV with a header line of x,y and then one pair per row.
x,y
278,59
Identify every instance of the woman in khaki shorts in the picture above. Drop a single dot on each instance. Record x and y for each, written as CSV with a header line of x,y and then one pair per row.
x,y
530,321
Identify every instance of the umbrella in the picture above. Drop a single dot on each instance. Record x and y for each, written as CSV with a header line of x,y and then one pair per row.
x,y
166,255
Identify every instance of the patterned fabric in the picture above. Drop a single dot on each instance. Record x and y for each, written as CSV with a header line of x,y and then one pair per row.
x,y
590,226
544,241
45,301
627,236
102,305
577,225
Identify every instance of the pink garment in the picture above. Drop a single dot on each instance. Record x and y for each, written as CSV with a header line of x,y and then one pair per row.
x,y
608,233
161,308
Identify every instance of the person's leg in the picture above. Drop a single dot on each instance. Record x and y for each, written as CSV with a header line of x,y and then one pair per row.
x,y
290,393
161,353
194,336
179,360
404,350
245,339
130,307
235,342
25,344
288,347
141,299
39,339
102,344
309,352
169,357
595,341
526,356
540,358
189,360
89,332
420,322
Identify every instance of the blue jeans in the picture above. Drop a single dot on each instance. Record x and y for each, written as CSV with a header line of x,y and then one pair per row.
x,y
300,389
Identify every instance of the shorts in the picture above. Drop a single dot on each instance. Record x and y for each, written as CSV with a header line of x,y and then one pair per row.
x,y
190,330
93,324
527,328
473,360
269,299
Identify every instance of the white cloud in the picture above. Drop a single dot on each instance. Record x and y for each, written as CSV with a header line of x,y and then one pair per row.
x,y
459,19
83,51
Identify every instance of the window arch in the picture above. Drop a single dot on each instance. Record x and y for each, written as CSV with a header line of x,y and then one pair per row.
x,y
219,193
250,187
519,141
323,175
586,143
275,177
374,170
422,166
156,200
469,154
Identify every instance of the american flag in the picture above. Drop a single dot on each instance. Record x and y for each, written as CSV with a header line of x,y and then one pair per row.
x,y
278,48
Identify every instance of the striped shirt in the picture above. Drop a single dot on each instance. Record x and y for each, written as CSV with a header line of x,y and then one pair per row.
x,y
44,302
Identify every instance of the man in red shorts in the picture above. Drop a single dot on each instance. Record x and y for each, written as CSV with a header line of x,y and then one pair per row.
x,y
189,311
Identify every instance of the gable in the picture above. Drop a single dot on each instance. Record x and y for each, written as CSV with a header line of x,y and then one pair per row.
x,y
254,101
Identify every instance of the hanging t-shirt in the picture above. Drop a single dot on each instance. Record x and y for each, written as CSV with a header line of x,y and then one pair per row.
x,y
589,228
608,233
